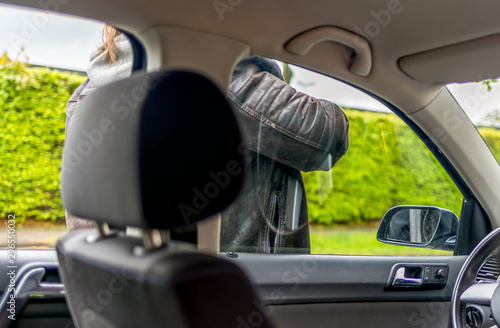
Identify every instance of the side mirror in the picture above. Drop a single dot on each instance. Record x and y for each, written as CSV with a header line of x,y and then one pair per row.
x,y
419,226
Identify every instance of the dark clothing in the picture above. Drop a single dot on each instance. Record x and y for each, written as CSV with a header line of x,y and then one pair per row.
x,y
284,132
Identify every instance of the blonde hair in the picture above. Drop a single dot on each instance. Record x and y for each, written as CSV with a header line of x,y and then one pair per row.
x,y
108,43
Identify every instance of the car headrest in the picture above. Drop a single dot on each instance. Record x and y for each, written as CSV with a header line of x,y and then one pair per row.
x,y
159,150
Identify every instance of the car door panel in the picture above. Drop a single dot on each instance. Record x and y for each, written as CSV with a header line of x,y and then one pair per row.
x,y
320,290
362,314
40,300
24,257
346,291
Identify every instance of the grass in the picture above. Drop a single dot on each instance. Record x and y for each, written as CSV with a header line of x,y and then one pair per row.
x,y
362,241
340,239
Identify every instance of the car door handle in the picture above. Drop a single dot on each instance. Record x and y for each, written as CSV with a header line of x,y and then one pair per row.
x,y
29,285
401,281
418,276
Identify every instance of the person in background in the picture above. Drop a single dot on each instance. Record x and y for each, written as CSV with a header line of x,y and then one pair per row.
x,y
284,132
111,61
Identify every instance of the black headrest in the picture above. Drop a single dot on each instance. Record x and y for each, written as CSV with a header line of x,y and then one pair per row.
x,y
156,150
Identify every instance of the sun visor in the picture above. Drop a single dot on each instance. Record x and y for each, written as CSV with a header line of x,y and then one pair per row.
x,y
462,62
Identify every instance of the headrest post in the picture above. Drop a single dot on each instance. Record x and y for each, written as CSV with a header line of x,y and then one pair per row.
x,y
102,229
165,236
152,239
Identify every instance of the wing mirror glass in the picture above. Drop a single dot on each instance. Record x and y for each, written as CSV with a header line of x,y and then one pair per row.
x,y
419,226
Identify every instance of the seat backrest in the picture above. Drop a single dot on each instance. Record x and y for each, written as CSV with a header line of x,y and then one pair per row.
x,y
155,151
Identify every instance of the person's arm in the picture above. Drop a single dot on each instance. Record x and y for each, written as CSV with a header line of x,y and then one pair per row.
x,y
288,126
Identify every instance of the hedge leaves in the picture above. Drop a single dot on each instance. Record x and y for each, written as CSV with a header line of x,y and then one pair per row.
x,y
32,115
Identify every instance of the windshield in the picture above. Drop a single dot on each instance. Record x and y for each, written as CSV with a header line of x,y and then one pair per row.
x,y
481,102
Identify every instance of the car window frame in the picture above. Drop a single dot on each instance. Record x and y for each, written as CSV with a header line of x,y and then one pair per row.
x,y
474,223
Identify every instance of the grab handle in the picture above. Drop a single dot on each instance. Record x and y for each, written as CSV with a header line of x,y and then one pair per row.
x,y
302,43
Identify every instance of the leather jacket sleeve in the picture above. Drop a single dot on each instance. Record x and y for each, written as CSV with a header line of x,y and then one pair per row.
x,y
288,126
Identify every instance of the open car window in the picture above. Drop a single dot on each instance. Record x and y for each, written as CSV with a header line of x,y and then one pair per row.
x,y
385,165
44,58
321,177
481,102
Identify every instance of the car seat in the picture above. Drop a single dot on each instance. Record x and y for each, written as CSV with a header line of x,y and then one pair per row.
x,y
156,151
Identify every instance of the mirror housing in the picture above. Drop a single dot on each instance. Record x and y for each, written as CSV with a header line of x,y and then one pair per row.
x,y
419,226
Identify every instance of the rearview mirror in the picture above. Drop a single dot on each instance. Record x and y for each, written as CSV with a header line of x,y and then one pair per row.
x,y
419,226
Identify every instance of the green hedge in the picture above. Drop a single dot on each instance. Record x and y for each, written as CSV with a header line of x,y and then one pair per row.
x,y
371,178
492,138
386,165
32,115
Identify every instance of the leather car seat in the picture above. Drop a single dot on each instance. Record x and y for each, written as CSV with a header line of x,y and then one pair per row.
x,y
156,151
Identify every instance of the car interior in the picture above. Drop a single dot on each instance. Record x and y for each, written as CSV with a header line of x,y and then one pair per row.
x,y
133,271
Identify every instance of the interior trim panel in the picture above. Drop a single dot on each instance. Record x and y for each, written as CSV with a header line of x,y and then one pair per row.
x,y
296,279
373,315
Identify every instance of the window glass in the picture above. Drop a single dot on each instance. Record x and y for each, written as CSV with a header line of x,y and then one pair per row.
x,y
386,165
43,59
311,187
299,130
481,102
